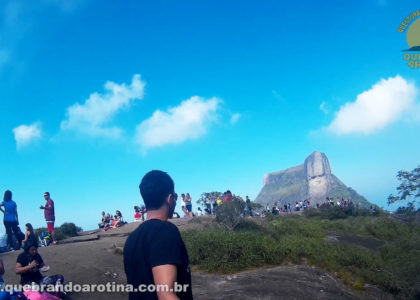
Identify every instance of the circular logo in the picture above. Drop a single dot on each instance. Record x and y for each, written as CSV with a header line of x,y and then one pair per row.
x,y
413,36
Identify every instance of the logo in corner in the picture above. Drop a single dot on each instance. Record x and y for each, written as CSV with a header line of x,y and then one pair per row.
x,y
411,26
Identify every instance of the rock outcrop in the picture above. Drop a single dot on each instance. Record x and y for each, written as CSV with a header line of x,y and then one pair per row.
x,y
313,180
318,175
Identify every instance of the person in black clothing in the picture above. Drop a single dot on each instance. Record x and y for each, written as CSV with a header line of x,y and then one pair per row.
x,y
155,254
30,237
28,265
249,206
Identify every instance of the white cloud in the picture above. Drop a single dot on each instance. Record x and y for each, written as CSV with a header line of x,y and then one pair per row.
x,y
187,121
386,102
24,134
235,118
98,110
323,107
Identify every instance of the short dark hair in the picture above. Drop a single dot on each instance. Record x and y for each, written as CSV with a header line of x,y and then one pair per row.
x,y
7,195
155,187
28,246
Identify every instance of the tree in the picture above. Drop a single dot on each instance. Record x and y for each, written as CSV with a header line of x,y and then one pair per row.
x,y
230,212
409,188
202,200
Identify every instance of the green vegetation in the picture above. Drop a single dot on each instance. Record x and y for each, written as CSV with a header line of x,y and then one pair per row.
x,y
326,211
66,230
394,265
229,213
408,190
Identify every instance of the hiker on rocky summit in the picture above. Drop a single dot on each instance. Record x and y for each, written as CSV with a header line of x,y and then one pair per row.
x,y
28,266
49,214
11,220
103,221
30,237
118,220
184,205
188,205
154,253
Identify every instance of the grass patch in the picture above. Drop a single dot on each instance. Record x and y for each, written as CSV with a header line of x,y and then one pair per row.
x,y
394,267
227,252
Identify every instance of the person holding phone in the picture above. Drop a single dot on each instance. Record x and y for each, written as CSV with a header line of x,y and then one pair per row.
x,y
29,264
49,215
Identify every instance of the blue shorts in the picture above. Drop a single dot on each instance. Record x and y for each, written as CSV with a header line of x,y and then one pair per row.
x,y
189,207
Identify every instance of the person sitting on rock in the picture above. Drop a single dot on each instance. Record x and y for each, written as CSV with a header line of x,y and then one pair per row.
x,y
118,220
28,265
108,222
137,214
30,237
103,221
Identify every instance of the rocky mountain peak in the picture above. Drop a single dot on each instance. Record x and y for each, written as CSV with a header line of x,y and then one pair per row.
x,y
316,165
311,180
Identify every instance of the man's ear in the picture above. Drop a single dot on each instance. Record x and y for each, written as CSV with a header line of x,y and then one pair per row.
x,y
168,199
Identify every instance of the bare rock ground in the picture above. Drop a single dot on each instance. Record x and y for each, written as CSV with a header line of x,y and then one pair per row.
x,y
95,258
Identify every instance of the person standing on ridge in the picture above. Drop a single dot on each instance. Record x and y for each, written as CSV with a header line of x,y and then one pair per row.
x,y
49,215
155,254
10,220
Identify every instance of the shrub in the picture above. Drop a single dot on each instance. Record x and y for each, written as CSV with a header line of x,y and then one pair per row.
x,y
229,213
359,284
66,230
69,229
335,212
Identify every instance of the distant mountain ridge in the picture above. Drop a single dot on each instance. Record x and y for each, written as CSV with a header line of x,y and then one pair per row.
x,y
313,180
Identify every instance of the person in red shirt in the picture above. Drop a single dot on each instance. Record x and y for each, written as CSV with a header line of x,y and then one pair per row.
x,y
49,215
228,196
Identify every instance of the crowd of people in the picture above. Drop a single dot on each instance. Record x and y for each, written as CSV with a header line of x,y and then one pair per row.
x,y
213,201
29,263
140,212
154,253
111,222
15,238
287,208
338,201
299,206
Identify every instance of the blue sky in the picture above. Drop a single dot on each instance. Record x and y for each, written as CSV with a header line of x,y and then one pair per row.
x,y
217,93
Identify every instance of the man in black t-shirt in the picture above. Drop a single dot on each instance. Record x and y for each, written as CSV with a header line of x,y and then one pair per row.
x,y
155,256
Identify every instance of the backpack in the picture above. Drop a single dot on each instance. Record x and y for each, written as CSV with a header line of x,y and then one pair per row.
x,y
45,239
